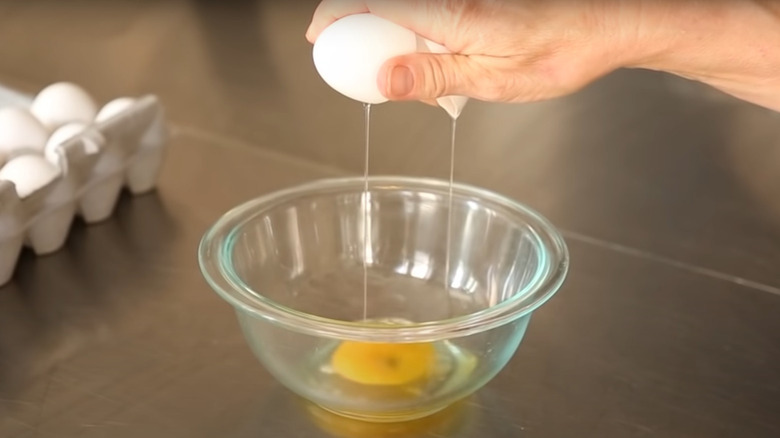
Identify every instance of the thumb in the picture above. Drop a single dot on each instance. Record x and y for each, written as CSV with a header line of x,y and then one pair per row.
x,y
429,76
423,76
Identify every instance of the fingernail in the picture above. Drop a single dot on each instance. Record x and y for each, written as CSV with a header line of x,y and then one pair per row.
x,y
401,81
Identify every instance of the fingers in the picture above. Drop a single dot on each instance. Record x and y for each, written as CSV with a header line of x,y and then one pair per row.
x,y
329,11
540,73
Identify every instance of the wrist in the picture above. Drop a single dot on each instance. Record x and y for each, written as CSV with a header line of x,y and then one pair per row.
x,y
733,46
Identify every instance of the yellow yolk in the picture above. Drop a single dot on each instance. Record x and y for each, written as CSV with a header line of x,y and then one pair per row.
x,y
383,364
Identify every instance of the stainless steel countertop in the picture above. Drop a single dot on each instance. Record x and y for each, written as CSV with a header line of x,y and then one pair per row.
x,y
667,193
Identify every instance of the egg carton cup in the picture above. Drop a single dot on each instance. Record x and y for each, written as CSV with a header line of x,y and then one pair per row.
x,y
126,150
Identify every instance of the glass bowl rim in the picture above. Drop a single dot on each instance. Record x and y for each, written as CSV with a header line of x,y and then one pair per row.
x,y
212,254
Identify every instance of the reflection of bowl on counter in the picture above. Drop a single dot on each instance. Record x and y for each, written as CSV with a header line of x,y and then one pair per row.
x,y
292,265
74,160
443,423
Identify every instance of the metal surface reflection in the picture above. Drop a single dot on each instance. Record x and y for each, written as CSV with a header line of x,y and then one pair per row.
x,y
62,303
282,414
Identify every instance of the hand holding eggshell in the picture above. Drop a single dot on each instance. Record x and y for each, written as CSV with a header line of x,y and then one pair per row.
x,y
350,52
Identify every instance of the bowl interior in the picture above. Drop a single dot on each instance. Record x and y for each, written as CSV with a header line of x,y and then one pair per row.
x,y
311,251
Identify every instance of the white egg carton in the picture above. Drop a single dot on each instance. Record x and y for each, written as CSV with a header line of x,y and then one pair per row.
x,y
124,149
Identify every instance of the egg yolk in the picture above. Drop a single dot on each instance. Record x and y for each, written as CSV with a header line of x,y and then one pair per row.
x,y
383,364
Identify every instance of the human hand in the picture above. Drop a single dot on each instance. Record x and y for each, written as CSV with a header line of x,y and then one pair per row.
x,y
527,50
502,50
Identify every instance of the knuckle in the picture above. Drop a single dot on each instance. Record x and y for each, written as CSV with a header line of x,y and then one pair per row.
x,y
437,77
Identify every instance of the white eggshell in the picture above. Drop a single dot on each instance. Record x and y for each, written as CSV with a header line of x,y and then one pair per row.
x,y
62,103
349,53
60,136
113,108
19,129
29,173
452,104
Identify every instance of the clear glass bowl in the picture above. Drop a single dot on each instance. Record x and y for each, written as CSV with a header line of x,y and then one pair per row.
x,y
421,335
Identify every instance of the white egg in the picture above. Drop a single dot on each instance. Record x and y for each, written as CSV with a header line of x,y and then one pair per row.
x,y
349,53
62,103
60,136
19,129
113,108
29,173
